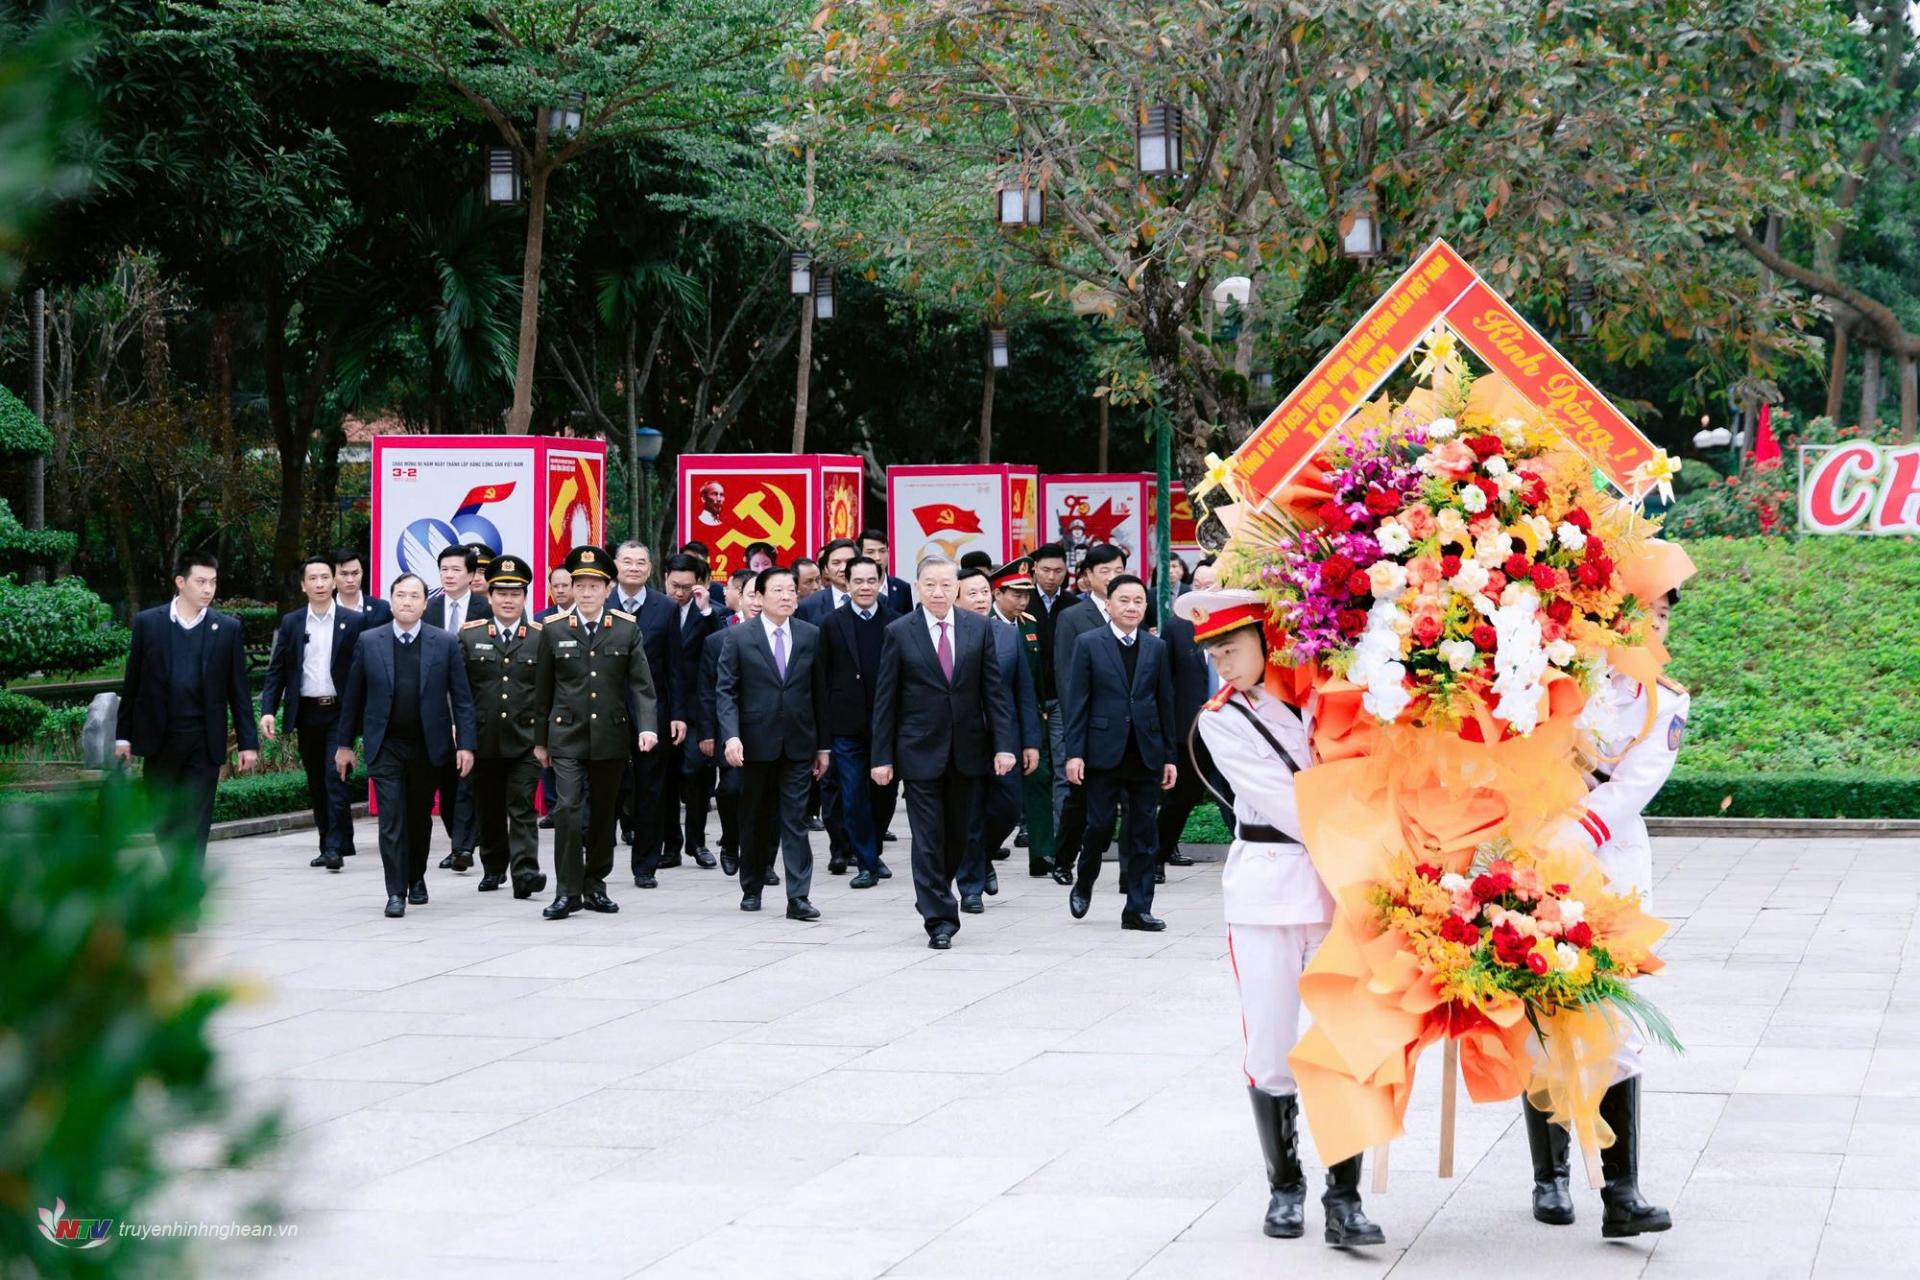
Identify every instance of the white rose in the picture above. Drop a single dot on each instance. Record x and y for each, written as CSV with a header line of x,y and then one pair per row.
x,y
1454,882
1572,537
1450,521
1496,467
1568,955
1483,605
1393,538
1510,483
1572,911
1457,654
1542,531
1441,428
1471,580
1473,500
1388,579
1560,652
1493,548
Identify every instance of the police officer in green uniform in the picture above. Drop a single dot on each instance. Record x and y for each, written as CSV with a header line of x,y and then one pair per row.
x,y
595,692
1012,592
503,656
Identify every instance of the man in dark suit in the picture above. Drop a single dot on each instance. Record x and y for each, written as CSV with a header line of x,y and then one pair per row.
x,y
852,640
695,620
650,791
312,653
771,695
1103,563
186,674
1012,594
835,558
349,589
407,697
559,593
942,718
897,594
1120,746
995,819
707,729
456,605
1189,663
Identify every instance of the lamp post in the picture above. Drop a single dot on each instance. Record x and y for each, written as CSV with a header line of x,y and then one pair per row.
x,y
1156,141
503,184
646,445
1359,227
1020,204
823,299
564,119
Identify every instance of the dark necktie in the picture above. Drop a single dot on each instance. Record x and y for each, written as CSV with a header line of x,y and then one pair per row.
x,y
405,638
780,651
945,651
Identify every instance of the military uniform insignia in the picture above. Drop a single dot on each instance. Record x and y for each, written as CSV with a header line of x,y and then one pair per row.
x,y
1676,729
1219,699
476,622
620,614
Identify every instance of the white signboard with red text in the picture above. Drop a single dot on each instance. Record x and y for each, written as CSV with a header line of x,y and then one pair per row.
x,y
1859,487
1078,511
531,496
951,510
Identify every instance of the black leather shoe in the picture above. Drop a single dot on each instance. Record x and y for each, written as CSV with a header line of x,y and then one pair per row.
x,y
319,860
941,941
332,862
463,859
396,907
993,883
599,901
1038,870
1001,855
749,902
646,882
1159,875
1178,859
1552,1150
814,824
801,909
704,857
626,836
773,878
546,822
882,869
836,865
446,863
1347,1222
1078,902
526,886
1063,875
864,880
561,907
488,883
1020,837
418,894
671,860
1146,922
971,904
1622,1211
729,863
1277,1121
887,837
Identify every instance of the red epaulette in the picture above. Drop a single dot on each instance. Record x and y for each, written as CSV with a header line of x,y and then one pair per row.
x,y
1219,699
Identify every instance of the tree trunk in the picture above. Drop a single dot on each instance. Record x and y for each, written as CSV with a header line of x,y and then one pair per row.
x,y
292,445
1160,333
1837,372
1100,453
804,376
522,413
986,416
220,376
1909,397
1870,390
627,376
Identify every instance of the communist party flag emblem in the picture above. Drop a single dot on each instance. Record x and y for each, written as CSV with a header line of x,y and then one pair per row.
x,y
944,517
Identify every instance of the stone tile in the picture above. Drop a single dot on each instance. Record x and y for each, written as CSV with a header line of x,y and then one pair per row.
x,y
420,1059
1805,1070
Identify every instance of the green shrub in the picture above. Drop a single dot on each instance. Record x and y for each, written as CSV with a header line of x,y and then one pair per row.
x,y
1835,793
20,545
260,795
109,1058
257,621
21,718
21,434
56,627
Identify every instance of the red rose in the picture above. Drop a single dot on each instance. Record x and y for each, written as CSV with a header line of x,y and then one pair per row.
x,y
1595,550
1590,575
1352,621
1537,963
1580,520
1426,631
1334,572
1457,930
1359,583
1449,565
1509,947
1605,567
1335,518
1534,492
1560,611
1561,887
1581,935
1485,638
1487,487
1382,502
1488,885
1427,871
1517,566
1483,447
1496,583
1543,577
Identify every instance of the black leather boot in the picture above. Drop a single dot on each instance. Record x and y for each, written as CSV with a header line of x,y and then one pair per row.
x,y
1624,1213
1347,1222
1277,1120
1551,1146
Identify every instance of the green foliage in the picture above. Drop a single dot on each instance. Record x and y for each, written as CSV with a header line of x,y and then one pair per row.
x,y
59,627
107,1037
1757,502
21,434
258,622
21,545
21,718
260,795
1830,793
44,107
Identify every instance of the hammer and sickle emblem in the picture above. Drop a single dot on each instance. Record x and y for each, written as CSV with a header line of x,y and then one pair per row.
x,y
778,532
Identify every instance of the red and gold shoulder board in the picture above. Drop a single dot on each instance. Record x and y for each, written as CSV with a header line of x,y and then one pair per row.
x,y
1219,699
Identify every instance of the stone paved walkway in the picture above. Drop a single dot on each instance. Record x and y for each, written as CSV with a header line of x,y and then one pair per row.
x,y
687,1091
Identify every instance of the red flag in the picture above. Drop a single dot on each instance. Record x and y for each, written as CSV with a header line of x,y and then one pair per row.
x,y
944,517
480,495
1766,449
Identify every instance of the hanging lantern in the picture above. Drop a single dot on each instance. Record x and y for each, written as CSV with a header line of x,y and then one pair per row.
x,y
800,273
823,294
1156,141
999,356
503,176
564,120
1360,227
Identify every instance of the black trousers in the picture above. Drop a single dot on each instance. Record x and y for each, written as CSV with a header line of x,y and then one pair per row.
x,y
404,781
582,865
1176,806
773,813
696,791
940,811
645,802
726,802
327,791
181,779
994,820
456,807
503,789
1132,791
833,817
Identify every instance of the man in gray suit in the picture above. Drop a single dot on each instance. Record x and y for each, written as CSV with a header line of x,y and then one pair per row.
x,y
770,696
407,694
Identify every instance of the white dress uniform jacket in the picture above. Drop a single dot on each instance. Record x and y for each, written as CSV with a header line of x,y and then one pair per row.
x,y
1636,758
1264,882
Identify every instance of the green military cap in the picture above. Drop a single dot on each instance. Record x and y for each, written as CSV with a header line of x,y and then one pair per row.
x,y
509,571
590,560
482,555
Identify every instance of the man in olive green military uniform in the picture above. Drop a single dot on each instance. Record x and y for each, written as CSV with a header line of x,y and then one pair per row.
x,y
503,657
1012,592
596,696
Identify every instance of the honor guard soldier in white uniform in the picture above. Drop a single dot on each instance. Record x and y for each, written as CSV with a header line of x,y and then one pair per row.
x,y
1277,909
1635,734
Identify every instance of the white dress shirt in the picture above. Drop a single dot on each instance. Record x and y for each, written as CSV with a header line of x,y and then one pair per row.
x,y
173,613
1124,637
407,633
953,631
620,600
773,630
316,669
351,606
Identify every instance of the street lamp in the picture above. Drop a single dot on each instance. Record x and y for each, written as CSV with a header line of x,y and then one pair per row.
x,y
1020,204
647,444
1580,298
800,273
503,176
823,294
1360,227
1156,141
563,121
998,354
